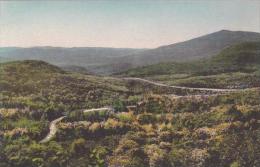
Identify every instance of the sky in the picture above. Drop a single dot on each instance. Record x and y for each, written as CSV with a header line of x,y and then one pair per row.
x,y
121,24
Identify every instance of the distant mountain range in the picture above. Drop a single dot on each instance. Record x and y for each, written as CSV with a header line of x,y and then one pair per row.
x,y
111,60
202,47
82,57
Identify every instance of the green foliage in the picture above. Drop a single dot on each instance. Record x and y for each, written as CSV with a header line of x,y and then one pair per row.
x,y
97,156
146,118
78,146
235,164
154,107
218,131
118,105
125,117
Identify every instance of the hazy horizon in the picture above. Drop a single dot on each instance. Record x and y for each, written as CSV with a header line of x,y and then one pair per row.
x,y
120,24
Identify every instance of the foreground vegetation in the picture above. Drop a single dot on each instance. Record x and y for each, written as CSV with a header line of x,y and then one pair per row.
x,y
162,131
158,130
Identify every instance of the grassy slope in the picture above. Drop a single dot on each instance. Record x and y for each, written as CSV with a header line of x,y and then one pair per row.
x,y
40,85
163,131
237,65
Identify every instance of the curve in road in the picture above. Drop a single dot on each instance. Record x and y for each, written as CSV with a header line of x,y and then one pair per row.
x,y
53,127
181,87
53,130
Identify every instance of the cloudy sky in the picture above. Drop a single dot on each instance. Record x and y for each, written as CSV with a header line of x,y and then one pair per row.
x,y
125,23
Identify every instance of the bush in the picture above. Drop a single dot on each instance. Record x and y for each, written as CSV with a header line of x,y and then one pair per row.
x,y
119,105
125,117
78,146
146,118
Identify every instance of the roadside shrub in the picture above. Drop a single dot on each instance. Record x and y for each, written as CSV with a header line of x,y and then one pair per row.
x,y
125,117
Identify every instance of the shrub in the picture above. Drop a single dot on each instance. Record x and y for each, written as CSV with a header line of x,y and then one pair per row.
x,y
77,146
125,117
119,105
146,118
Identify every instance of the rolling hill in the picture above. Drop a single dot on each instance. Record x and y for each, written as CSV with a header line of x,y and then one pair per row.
x,y
37,84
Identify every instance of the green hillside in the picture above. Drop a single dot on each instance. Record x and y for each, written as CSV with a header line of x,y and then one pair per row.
x,y
160,131
244,57
39,85
238,63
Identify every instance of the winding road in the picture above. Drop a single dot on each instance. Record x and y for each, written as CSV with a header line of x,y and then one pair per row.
x,y
53,128
181,87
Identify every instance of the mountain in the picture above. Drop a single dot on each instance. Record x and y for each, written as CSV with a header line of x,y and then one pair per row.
x,y
85,57
202,47
238,64
239,57
112,60
4,59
